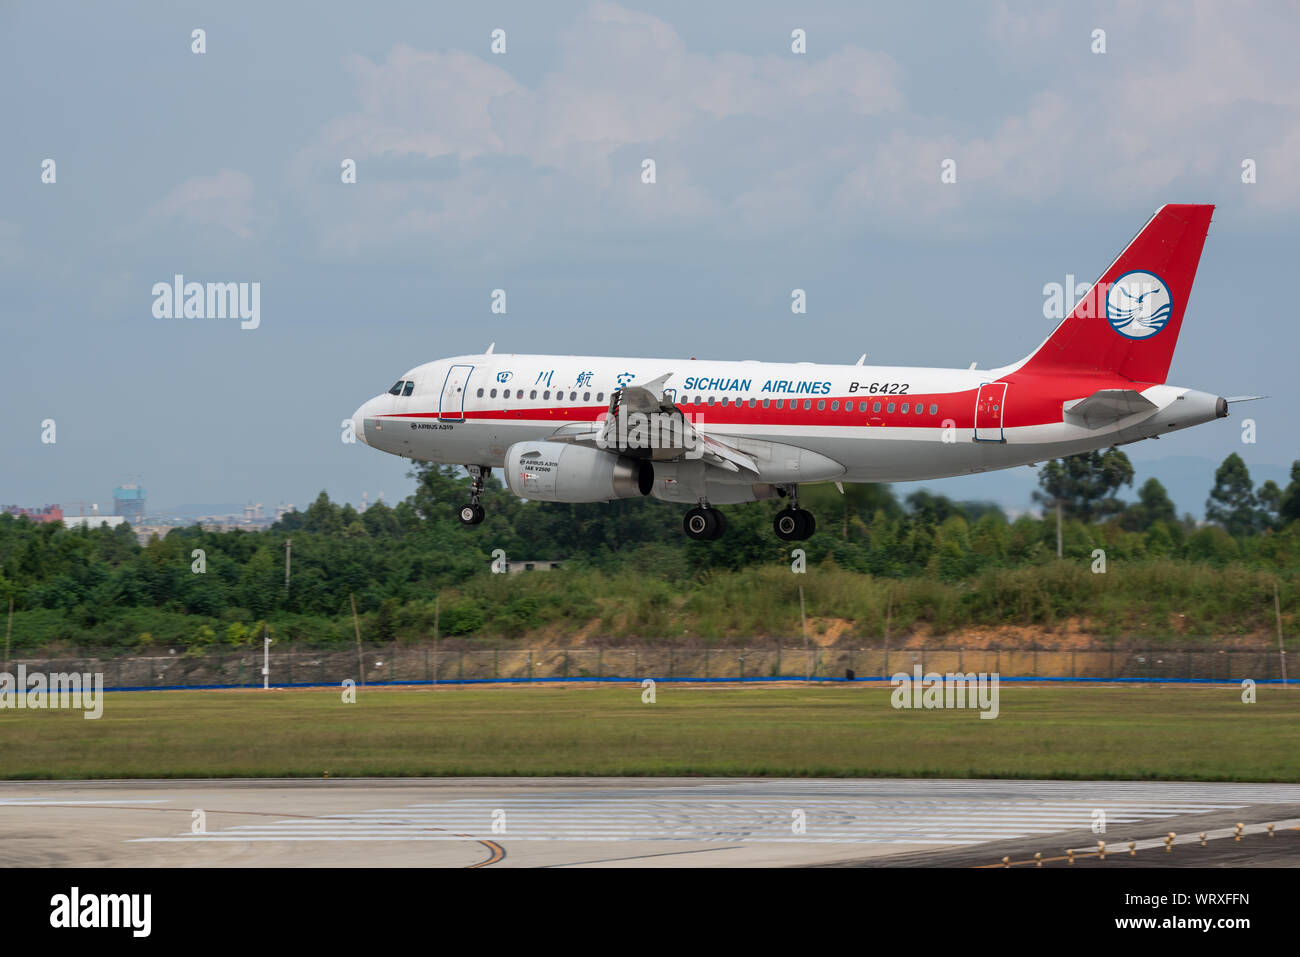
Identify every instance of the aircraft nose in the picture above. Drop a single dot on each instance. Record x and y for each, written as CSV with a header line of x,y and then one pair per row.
x,y
359,424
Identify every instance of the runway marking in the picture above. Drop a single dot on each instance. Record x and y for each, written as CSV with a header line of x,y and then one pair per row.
x,y
588,817
24,802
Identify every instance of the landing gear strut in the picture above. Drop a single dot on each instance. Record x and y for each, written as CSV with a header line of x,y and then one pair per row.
x,y
704,524
473,513
794,524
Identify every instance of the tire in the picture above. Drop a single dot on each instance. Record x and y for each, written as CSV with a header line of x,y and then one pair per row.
x,y
809,524
719,524
697,524
470,515
788,525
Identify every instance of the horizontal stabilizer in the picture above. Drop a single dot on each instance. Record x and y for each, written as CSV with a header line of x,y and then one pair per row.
x,y
1106,407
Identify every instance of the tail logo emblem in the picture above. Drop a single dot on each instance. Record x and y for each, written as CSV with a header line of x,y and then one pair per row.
x,y
1138,304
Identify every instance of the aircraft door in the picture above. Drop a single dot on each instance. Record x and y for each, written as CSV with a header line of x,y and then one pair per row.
x,y
451,408
990,406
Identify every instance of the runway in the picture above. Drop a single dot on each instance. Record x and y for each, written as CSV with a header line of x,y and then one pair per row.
x,y
638,822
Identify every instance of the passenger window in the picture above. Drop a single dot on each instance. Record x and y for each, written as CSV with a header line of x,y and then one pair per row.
x,y
532,394
933,408
494,393
753,402
765,402
600,397
725,401
875,407
862,407
519,394
573,397
905,408
821,404
410,387
807,403
835,406
480,393
586,397
890,407
712,400
546,394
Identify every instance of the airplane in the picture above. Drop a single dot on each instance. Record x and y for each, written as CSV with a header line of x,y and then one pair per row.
x,y
708,433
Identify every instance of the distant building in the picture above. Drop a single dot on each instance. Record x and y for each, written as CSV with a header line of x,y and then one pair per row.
x,y
50,513
128,502
515,566
94,521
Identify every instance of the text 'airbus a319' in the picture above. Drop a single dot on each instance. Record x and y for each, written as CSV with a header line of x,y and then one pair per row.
x,y
705,433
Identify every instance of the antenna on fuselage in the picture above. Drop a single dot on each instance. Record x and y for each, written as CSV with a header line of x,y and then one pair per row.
x,y
861,359
489,349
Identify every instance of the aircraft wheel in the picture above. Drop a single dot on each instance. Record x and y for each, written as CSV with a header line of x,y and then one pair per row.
x,y
788,525
704,524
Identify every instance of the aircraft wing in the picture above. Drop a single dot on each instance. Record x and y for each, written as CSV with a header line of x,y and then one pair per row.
x,y
1106,407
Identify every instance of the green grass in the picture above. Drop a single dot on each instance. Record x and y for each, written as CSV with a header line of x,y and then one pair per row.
x,y
1117,732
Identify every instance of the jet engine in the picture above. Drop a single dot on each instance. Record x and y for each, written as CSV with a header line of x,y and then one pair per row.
x,y
563,472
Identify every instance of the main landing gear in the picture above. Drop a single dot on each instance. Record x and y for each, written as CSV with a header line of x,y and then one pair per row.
x,y
472,514
794,524
704,524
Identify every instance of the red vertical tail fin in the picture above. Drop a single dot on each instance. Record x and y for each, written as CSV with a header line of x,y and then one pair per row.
x,y
1128,322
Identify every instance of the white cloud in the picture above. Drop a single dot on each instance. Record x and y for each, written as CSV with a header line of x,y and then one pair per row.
x,y
751,145
224,199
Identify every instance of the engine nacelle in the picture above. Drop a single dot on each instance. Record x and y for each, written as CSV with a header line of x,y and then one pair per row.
x,y
562,472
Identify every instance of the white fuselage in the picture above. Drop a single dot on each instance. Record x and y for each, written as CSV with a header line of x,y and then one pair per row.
x,y
880,423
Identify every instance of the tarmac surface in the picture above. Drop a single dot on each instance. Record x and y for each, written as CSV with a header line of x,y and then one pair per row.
x,y
642,822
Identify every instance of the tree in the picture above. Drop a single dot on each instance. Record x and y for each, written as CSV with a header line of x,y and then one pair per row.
x,y
1153,506
1288,510
1232,502
1270,503
1085,484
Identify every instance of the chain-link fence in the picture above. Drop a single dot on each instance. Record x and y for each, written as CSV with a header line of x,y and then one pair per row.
x,y
424,664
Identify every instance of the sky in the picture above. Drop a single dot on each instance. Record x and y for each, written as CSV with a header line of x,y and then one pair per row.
x,y
521,170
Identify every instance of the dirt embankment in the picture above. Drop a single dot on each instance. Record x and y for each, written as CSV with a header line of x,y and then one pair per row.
x,y
1074,634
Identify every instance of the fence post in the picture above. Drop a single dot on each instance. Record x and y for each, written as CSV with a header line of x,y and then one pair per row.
x,y
151,672
706,664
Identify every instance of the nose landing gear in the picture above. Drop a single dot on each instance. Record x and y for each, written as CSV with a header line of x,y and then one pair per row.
x,y
472,514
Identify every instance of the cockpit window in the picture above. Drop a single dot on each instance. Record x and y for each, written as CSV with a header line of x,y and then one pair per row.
x,y
397,388
410,387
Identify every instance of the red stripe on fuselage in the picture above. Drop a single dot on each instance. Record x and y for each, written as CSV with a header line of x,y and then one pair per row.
x,y
1030,400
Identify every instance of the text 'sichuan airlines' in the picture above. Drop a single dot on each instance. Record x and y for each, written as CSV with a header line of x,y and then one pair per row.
x,y
706,433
